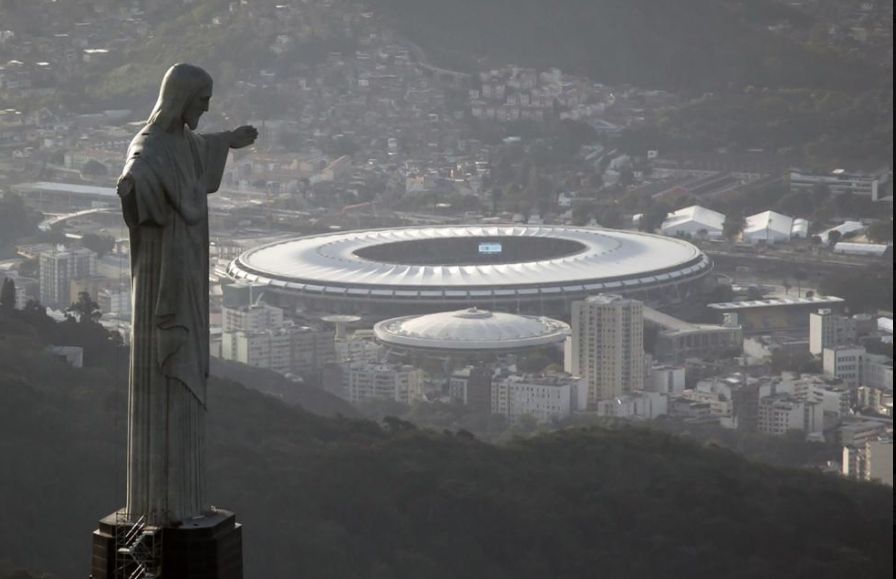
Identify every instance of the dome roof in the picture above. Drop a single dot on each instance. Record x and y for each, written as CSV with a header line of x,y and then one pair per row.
x,y
471,329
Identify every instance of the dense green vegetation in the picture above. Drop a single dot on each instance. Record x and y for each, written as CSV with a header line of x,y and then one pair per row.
x,y
339,498
16,221
804,100
820,129
692,45
873,294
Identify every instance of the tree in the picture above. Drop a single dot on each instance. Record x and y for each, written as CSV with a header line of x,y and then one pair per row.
x,y
610,216
881,231
94,169
101,244
8,294
800,276
734,225
653,217
29,268
582,211
85,309
16,220
821,192
844,203
802,362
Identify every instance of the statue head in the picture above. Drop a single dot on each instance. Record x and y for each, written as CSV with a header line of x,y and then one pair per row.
x,y
184,96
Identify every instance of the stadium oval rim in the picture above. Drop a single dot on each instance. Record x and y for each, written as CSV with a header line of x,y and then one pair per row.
x,y
610,261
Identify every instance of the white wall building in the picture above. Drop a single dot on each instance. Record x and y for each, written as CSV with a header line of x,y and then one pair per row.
x,y
800,228
666,379
694,221
844,228
879,461
543,397
401,383
868,249
877,372
253,318
635,405
840,181
607,346
58,267
828,330
767,227
115,301
361,346
844,362
287,348
872,461
834,398
781,413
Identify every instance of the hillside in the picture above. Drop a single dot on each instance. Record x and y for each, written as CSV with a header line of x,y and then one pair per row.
x,y
310,398
690,45
340,498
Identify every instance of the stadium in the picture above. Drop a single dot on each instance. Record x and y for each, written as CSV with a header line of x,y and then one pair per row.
x,y
533,269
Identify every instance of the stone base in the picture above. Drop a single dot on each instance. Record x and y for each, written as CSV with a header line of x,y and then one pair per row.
x,y
208,547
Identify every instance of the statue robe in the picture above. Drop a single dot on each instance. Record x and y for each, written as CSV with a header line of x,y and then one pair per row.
x,y
167,216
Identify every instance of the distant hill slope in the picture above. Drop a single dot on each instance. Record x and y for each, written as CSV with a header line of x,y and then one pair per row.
x,y
312,399
333,498
688,45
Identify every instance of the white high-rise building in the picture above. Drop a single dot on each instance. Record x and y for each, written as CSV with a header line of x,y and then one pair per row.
x,y
637,405
542,397
607,346
361,346
259,336
877,372
844,362
115,301
828,330
871,460
58,267
781,413
401,383
879,460
253,318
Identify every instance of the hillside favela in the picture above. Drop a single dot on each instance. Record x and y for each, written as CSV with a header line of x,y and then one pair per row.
x,y
446,289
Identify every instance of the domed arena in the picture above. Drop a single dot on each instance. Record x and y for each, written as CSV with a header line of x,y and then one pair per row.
x,y
470,330
536,269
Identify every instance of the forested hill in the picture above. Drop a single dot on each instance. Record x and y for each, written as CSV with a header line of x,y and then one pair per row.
x,y
334,498
686,45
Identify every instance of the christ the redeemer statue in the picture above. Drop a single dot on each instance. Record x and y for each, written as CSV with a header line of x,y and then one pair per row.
x,y
170,170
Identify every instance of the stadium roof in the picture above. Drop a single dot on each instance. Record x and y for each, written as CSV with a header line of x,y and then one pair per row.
x,y
470,329
607,260
775,302
66,188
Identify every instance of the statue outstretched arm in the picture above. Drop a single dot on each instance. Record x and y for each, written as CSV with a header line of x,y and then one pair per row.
x,y
243,136
214,148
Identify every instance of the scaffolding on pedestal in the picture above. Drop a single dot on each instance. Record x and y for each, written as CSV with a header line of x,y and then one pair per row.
x,y
138,548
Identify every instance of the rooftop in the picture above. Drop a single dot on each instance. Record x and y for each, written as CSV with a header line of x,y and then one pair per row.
x,y
413,261
776,302
471,329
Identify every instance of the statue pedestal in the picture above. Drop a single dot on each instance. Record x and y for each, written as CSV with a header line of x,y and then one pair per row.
x,y
207,547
